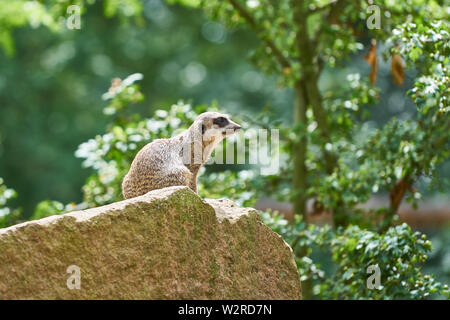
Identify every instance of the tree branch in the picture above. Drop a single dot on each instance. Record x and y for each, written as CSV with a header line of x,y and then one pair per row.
x,y
398,191
282,60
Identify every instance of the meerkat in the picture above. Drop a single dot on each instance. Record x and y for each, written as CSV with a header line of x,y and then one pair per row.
x,y
177,161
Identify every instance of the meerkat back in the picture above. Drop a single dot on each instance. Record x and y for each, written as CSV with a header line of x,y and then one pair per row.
x,y
155,166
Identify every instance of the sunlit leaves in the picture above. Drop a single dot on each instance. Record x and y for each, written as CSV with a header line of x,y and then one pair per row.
x,y
8,214
53,15
427,46
127,8
399,253
18,13
188,3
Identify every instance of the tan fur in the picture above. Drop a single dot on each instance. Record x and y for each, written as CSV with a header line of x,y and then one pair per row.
x,y
168,162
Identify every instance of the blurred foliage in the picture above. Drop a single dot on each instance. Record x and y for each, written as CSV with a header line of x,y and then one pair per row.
x,y
53,15
8,215
47,208
399,253
439,259
347,159
49,88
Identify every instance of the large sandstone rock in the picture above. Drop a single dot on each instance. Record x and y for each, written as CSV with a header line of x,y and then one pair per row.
x,y
167,244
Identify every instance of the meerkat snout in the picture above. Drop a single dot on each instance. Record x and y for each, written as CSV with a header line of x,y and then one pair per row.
x,y
217,126
228,127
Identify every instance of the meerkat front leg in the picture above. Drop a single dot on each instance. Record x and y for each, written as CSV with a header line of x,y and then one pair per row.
x,y
193,185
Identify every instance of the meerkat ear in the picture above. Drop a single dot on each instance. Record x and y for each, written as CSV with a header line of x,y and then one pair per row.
x,y
203,129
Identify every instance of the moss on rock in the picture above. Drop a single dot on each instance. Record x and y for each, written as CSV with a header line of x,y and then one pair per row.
x,y
167,244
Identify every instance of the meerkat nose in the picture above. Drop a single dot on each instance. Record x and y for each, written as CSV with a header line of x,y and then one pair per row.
x,y
237,128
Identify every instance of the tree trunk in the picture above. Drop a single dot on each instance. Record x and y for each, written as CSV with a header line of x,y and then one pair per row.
x,y
299,182
299,179
315,99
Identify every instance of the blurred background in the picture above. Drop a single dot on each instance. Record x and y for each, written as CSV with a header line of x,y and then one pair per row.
x,y
51,88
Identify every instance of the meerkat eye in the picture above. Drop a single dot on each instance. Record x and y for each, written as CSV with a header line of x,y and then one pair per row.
x,y
221,121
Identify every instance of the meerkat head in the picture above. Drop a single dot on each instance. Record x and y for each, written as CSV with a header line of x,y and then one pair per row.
x,y
216,126
207,131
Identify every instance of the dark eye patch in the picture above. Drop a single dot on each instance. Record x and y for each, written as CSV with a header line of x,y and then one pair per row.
x,y
221,121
